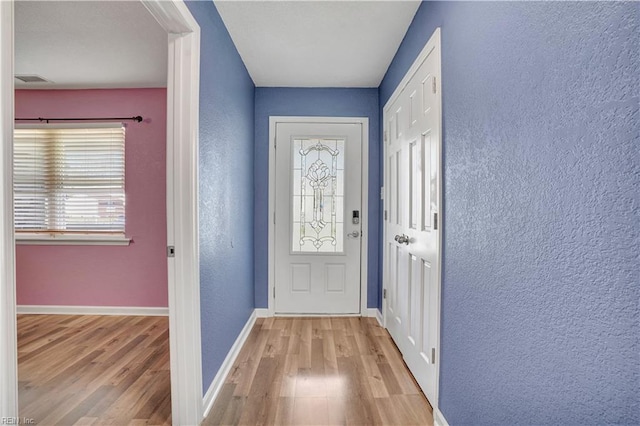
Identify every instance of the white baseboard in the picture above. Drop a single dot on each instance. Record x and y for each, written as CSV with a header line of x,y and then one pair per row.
x,y
370,312
375,313
262,313
91,310
438,418
380,318
225,368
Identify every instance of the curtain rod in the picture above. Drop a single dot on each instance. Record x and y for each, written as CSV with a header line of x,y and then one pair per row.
x,y
137,118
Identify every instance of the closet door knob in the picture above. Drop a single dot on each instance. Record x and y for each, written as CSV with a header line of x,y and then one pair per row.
x,y
402,239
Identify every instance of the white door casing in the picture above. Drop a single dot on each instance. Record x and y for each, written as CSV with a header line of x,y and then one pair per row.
x,y
413,225
333,282
8,334
183,93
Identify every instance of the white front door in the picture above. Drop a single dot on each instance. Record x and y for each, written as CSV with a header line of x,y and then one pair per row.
x,y
317,218
412,235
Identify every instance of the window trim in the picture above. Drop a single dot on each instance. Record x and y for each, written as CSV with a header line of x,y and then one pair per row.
x,y
85,239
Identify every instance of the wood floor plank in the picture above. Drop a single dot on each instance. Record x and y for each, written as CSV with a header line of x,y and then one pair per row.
x,y
265,388
392,355
234,410
276,343
80,410
337,410
86,421
389,379
306,337
220,404
310,411
309,385
250,366
374,376
284,411
317,357
295,331
290,376
343,348
329,353
86,370
319,371
162,413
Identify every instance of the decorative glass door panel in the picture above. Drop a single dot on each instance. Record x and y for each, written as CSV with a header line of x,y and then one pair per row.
x,y
318,196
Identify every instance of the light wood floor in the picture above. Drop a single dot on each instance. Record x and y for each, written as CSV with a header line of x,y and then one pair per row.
x,y
319,371
83,370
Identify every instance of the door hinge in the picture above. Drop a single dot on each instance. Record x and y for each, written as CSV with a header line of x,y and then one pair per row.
x,y
434,84
384,293
385,135
274,292
435,221
433,355
171,251
275,143
274,218
385,215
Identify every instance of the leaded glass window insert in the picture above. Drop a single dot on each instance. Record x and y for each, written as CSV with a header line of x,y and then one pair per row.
x,y
318,195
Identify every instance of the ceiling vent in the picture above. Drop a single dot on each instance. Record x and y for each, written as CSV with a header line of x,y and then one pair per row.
x,y
32,79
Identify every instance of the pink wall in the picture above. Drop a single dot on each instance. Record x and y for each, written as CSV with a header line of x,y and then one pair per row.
x,y
134,275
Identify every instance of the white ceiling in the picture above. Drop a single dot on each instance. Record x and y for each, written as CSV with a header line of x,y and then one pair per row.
x,y
109,44
89,44
317,43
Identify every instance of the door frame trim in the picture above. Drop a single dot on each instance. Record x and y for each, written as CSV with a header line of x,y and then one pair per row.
x,y
183,270
183,93
8,327
432,43
364,216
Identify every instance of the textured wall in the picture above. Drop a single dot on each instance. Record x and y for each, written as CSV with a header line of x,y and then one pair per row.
x,y
135,275
226,190
313,102
541,233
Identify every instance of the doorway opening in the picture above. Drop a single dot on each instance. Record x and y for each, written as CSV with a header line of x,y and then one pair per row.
x,y
182,142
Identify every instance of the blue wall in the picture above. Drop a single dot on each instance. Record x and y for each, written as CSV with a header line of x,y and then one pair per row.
x,y
226,190
541,233
313,102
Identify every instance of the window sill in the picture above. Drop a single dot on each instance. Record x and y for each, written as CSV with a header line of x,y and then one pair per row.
x,y
69,239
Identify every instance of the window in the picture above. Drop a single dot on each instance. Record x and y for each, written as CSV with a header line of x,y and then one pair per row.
x,y
318,195
69,181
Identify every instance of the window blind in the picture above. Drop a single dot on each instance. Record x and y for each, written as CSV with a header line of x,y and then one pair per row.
x,y
69,179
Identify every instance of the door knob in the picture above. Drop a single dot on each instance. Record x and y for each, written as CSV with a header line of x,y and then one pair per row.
x,y
402,239
354,234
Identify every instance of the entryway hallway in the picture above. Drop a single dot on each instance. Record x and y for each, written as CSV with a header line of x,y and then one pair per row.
x,y
319,371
